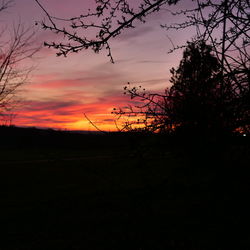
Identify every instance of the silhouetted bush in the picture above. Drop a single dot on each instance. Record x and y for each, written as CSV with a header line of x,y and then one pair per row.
x,y
199,104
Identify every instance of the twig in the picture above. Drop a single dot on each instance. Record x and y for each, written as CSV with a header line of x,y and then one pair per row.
x,y
105,132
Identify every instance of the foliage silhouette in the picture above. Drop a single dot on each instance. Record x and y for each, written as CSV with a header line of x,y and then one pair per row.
x,y
225,26
196,90
194,104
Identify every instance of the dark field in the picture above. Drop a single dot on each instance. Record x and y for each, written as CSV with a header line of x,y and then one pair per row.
x,y
66,191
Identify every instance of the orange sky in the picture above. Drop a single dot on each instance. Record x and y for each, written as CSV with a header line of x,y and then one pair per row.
x,y
61,89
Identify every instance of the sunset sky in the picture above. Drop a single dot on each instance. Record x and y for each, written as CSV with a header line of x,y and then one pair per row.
x,y
61,89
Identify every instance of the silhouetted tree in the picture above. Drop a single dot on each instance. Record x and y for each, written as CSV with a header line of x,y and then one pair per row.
x,y
194,104
224,25
15,48
196,92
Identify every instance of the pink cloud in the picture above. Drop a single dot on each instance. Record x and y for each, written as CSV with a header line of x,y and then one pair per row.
x,y
58,84
64,88
60,114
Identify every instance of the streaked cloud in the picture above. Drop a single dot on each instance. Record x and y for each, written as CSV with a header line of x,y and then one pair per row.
x,y
62,89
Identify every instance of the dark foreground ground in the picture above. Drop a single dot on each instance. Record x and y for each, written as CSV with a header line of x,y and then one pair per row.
x,y
62,191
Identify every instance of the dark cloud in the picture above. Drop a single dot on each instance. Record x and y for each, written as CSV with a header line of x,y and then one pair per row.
x,y
134,33
49,105
108,120
150,61
152,83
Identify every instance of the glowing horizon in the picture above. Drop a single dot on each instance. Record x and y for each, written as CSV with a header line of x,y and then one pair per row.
x,y
61,89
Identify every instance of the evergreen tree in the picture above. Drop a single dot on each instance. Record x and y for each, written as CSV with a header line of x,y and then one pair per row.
x,y
196,90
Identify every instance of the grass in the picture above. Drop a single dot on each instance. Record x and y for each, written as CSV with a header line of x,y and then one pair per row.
x,y
118,197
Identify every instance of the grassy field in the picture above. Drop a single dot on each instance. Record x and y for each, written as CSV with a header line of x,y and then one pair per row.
x,y
125,195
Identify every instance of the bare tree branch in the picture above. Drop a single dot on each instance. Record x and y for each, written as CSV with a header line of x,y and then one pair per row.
x,y
111,18
5,4
93,124
13,53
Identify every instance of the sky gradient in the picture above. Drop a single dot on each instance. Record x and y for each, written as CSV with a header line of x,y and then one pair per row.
x,y
61,89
